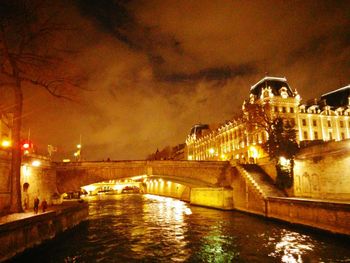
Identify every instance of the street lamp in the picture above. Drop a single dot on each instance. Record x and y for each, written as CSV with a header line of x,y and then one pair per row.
x,y
6,143
36,163
77,154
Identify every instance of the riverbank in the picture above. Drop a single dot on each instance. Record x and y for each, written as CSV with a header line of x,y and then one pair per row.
x,y
21,231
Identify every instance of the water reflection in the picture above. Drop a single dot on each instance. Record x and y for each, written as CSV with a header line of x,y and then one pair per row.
x,y
166,216
291,247
215,247
146,228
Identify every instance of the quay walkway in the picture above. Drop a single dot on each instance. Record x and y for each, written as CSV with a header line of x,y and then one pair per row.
x,y
20,231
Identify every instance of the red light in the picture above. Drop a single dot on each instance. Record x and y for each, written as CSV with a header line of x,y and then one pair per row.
x,y
26,146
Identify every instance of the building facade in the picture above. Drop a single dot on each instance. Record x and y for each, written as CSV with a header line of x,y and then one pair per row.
x,y
318,120
5,130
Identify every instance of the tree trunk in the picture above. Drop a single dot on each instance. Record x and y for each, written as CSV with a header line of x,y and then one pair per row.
x,y
16,196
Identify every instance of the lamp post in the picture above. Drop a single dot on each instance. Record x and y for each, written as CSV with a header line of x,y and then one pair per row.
x,y
77,154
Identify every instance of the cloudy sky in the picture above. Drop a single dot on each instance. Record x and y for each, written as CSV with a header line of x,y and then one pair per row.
x,y
155,68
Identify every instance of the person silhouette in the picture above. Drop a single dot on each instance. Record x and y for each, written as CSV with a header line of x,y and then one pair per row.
x,y
36,205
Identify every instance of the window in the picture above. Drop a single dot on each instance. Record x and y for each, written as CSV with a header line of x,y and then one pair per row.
x,y
343,136
314,123
315,135
276,109
330,136
304,122
305,135
291,110
284,109
341,124
329,123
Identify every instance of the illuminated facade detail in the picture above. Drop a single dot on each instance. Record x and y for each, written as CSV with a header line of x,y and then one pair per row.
x,y
323,120
5,130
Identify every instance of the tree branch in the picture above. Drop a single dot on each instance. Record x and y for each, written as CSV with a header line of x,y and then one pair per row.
x,y
48,86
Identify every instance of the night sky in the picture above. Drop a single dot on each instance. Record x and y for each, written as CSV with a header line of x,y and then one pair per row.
x,y
155,68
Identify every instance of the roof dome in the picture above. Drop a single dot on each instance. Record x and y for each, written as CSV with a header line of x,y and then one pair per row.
x,y
277,86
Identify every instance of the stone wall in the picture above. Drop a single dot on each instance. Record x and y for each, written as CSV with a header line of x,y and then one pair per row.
x,y
41,181
245,195
220,198
5,182
16,236
169,189
269,167
323,171
330,216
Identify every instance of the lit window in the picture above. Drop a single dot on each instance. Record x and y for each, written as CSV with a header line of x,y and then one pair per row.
x,y
305,135
341,124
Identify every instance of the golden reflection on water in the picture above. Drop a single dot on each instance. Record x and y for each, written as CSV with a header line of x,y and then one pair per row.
x,y
291,247
149,228
167,217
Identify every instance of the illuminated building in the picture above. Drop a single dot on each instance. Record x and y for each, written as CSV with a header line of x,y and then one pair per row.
x,y
322,120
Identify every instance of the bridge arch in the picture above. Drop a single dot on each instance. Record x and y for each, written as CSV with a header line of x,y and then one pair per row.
x,y
72,176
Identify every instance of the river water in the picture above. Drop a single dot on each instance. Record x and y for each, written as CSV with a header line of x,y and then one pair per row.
x,y
147,228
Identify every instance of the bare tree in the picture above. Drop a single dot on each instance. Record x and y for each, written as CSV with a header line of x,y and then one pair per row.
x,y
281,141
258,116
31,54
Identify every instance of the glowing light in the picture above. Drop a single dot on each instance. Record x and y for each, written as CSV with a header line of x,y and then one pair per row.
x,y
223,157
79,146
26,145
211,151
6,143
36,163
190,157
89,188
284,161
66,160
118,187
254,152
76,154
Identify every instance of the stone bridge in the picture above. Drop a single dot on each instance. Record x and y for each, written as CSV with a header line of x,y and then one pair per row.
x,y
71,176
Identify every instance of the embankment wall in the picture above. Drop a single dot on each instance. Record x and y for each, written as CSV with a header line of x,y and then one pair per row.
x,y
19,235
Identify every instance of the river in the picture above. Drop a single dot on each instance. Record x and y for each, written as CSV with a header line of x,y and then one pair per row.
x,y
147,228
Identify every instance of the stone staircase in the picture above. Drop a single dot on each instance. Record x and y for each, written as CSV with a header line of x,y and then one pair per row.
x,y
261,182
